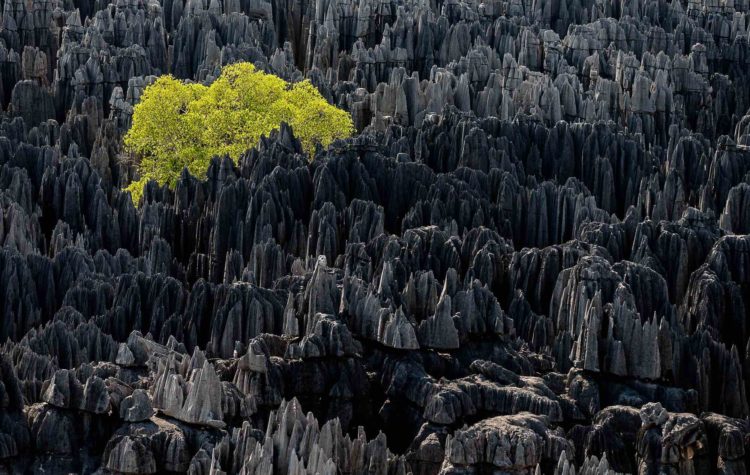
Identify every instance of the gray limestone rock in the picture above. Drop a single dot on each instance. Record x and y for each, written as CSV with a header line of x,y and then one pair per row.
x,y
63,390
128,455
195,397
531,255
510,443
136,407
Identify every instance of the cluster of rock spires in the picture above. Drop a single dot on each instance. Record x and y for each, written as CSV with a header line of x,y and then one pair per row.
x,y
533,257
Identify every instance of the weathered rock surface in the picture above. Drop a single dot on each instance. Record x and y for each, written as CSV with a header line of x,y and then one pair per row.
x,y
136,407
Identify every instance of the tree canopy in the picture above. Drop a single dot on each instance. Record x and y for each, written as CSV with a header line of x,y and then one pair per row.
x,y
178,125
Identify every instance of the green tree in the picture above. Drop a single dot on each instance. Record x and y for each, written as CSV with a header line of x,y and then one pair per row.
x,y
178,125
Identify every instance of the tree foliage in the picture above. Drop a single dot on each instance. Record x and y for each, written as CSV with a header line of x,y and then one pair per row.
x,y
178,125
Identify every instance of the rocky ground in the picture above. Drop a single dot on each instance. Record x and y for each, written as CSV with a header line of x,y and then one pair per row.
x,y
532,258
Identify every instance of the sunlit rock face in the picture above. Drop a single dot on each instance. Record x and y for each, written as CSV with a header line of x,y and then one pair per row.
x,y
531,257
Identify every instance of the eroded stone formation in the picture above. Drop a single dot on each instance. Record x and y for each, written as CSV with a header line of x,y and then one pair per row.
x,y
532,257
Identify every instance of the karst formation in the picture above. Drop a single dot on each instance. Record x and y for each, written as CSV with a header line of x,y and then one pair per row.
x,y
532,256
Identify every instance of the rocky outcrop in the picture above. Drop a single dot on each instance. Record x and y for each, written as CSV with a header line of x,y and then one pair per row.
x,y
192,394
510,443
668,440
136,407
531,256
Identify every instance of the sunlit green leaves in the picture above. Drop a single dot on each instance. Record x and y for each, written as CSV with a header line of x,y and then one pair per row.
x,y
178,125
